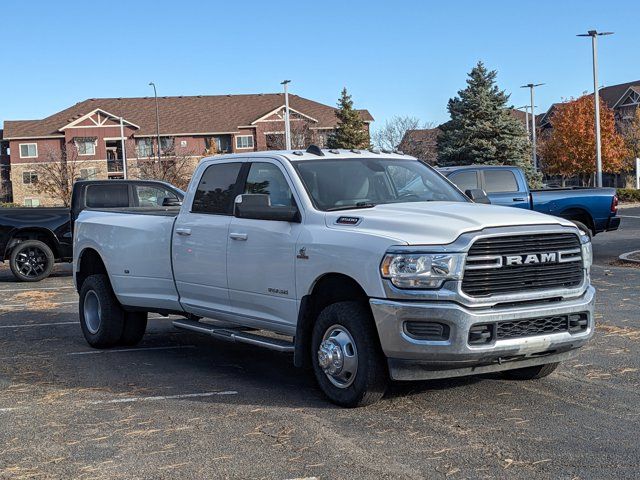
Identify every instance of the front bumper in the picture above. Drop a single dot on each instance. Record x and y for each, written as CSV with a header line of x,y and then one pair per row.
x,y
413,359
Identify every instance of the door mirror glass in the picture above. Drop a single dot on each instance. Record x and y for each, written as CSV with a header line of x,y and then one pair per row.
x,y
257,206
478,195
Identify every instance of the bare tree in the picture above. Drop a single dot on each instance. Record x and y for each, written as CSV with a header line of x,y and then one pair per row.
x,y
389,136
175,166
55,177
301,136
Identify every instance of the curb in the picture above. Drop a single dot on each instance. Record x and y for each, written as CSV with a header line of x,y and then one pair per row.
x,y
625,257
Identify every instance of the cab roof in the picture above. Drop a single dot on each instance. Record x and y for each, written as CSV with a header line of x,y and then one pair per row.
x,y
316,153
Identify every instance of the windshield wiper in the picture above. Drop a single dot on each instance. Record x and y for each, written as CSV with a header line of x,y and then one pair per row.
x,y
352,207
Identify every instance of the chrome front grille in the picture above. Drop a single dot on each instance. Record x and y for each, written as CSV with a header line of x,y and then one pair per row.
x,y
523,263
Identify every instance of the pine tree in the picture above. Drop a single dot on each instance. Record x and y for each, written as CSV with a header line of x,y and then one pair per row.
x,y
482,130
351,131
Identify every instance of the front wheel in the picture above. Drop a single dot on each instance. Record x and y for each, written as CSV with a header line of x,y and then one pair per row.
x,y
31,261
347,359
530,373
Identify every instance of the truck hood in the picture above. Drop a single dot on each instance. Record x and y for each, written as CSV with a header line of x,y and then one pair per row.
x,y
434,223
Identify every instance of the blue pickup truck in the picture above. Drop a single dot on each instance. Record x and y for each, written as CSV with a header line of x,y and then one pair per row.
x,y
593,208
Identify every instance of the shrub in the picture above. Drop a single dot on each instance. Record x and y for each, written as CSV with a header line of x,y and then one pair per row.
x,y
8,205
628,195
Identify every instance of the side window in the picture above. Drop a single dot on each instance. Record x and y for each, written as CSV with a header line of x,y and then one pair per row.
x,y
216,188
498,181
465,180
268,179
107,196
149,196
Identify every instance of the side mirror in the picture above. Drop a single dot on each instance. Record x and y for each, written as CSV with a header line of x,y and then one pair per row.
x,y
478,195
257,206
171,202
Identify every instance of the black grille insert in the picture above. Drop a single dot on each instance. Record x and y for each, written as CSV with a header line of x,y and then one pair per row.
x,y
530,327
523,278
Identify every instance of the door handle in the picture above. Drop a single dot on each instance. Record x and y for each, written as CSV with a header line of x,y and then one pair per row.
x,y
183,231
518,199
238,236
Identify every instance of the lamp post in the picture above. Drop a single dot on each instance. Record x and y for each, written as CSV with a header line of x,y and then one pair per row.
x,y
155,95
526,117
287,125
534,155
594,34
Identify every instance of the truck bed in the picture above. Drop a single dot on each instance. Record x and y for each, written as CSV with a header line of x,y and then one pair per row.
x,y
142,265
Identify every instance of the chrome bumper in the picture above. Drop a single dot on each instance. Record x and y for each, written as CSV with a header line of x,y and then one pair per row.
x,y
412,359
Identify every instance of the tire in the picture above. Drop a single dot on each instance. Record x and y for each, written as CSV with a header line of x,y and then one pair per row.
x,y
531,373
356,337
31,261
135,324
584,228
101,315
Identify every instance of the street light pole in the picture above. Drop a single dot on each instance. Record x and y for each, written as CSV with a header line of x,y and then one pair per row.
x,y
155,95
526,117
287,125
534,154
594,34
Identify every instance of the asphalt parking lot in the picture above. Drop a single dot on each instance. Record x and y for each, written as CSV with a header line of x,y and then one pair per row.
x,y
184,406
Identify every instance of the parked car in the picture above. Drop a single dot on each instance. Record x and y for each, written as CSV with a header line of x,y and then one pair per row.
x,y
33,239
593,209
325,254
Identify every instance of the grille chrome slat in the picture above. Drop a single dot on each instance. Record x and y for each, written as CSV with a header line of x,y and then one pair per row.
x,y
483,280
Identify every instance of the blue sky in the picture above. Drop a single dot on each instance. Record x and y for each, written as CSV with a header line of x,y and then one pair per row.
x,y
395,57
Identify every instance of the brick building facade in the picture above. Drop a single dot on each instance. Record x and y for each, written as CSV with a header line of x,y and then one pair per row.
x,y
88,135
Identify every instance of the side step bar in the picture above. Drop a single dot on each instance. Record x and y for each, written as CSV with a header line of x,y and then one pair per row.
x,y
234,335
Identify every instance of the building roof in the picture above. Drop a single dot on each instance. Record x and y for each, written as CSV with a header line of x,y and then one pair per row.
x,y
202,114
611,95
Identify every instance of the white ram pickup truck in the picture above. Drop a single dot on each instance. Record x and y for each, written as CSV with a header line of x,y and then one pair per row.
x,y
344,259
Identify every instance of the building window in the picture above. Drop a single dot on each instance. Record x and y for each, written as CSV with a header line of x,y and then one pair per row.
x,y
166,145
244,141
144,147
28,150
31,202
85,146
29,177
88,173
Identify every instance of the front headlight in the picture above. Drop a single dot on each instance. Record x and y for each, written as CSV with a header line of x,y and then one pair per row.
x,y
421,270
587,252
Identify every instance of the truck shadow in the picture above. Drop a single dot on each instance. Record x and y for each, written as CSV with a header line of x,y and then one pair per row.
x,y
168,362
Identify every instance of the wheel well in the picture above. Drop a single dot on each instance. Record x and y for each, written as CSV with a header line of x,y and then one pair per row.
x,y
328,289
45,236
89,263
579,215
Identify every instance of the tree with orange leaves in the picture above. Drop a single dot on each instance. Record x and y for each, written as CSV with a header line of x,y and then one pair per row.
x,y
570,149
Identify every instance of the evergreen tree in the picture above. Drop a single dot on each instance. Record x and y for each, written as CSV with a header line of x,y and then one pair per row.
x,y
351,131
482,130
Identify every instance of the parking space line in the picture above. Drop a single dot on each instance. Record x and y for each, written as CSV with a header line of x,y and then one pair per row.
x,y
39,325
628,216
163,397
32,289
23,305
124,350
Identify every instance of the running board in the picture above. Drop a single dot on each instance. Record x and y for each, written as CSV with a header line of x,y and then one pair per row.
x,y
234,335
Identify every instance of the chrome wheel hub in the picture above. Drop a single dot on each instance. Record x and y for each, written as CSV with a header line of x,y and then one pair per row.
x,y
91,312
338,356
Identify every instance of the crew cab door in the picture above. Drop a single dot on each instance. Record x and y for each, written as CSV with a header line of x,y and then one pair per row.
x,y
503,188
200,236
261,254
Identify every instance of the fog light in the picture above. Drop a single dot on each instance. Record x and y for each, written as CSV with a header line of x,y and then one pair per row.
x,y
434,331
480,334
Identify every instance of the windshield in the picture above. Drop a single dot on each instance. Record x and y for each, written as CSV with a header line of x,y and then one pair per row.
x,y
342,184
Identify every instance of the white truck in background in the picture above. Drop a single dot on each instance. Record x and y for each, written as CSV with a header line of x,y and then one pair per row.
x,y
342,258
